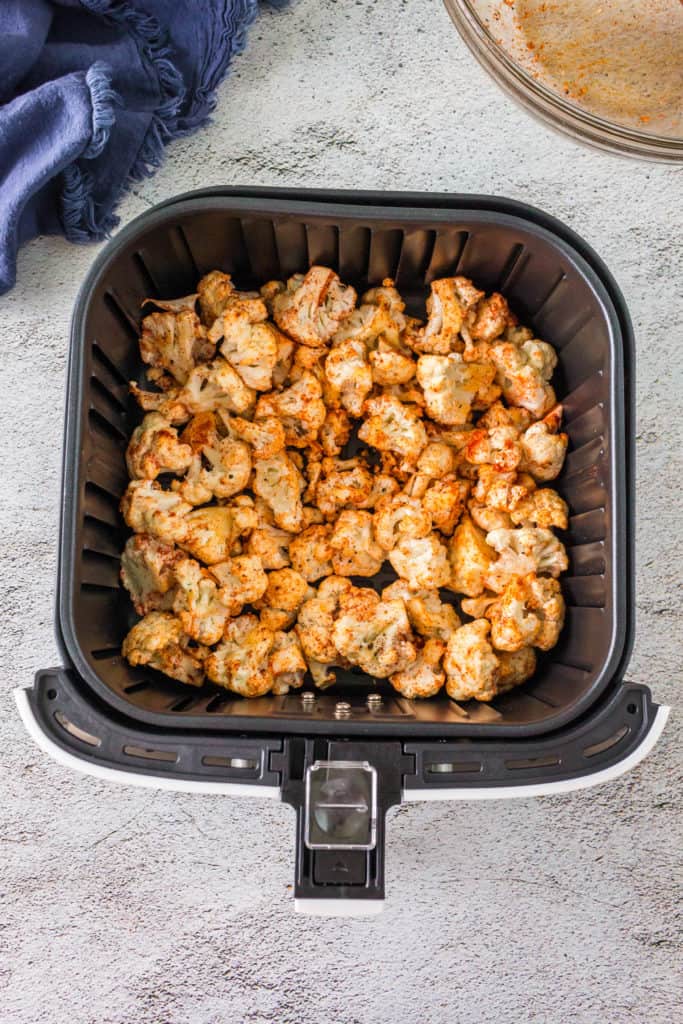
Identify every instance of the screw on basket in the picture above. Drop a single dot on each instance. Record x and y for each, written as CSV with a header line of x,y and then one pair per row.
x,y
308,700
342,709
374,701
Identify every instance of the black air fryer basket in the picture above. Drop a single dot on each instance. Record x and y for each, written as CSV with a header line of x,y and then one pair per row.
x,y
574,724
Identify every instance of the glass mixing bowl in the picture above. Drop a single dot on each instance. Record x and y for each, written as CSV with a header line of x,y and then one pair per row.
x,y
606,72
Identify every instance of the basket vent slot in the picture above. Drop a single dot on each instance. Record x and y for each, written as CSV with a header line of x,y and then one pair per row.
x,y
241,763
150,754
611,741
75,730
453,767
533,762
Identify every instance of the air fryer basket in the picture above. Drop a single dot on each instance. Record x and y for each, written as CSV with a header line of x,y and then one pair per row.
x,y
575,724
548,283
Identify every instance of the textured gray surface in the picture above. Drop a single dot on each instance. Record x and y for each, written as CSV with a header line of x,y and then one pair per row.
x,y
122,905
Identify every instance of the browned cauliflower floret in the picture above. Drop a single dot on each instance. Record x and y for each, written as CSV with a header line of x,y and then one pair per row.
x,y
147,572
311,552
425,677
474,671
347,482
391,367
378,319
444,500
399,516
391,426
266,435
209,387
543,507
335,431
286,590
173,305
498,447
146,508
173,343
311,307
523,372
451,387
299,408
241,663
529,612
422,562
427,613
354,549
497,415
266,541
373,634
348,372
523,551
543,448
279,483
216,291
470,557
491,318
220,466
315,623
158,640
251,349
438,459
154,448
287,662
242,581
198,603
211,532
446,313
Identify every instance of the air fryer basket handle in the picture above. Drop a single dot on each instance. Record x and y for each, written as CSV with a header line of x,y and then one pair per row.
x,y
341,792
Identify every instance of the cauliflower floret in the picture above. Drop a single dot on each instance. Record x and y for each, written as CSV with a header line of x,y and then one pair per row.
x,y
446,313
543,449
158,640
470,557
523,372
444,501
198,603
399,516
373,634
146,508
497,415
501,490
475,672
266,435
154,448
267,541
287,662
211,533
315,623
523,551
349,375
211,386
279,483
311,307
491,319
498,447
354,549
346,483
299,408
437,460
451,386
335,431
173,305
220,466
391,426
311,552
147,572
391,367
242,581
173,343
543,507
286,590
421,561
251,349
378,319
425,677
216,291
528,613
242,662
427,613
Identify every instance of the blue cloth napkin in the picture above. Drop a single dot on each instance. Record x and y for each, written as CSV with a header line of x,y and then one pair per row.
x,y
90,93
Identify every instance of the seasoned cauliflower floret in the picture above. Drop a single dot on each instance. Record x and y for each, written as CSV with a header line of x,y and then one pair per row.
x,y
198,603
470,557
211,532
315,623
446,313
346,483
311,307
543,507
241,580
146,508
335,431
498,447
437,460
392,426
220,467
491,318
349,375
216,291
474,671
266,435
529,612
354,549
377,320
399,516
523,372
147,567
286,590
241,663
311,552
287,662
209,387
427,613
543,448
451,386
523,551
425,677
251,348
444,500
421,561
299,408
154,448
158,641
266,541
374,634
280,484
391,367
173,343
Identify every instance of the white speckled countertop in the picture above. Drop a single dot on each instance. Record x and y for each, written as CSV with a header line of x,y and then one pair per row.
x,y
122,905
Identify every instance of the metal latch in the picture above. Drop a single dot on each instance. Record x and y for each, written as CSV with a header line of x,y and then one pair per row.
x,y
340,810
